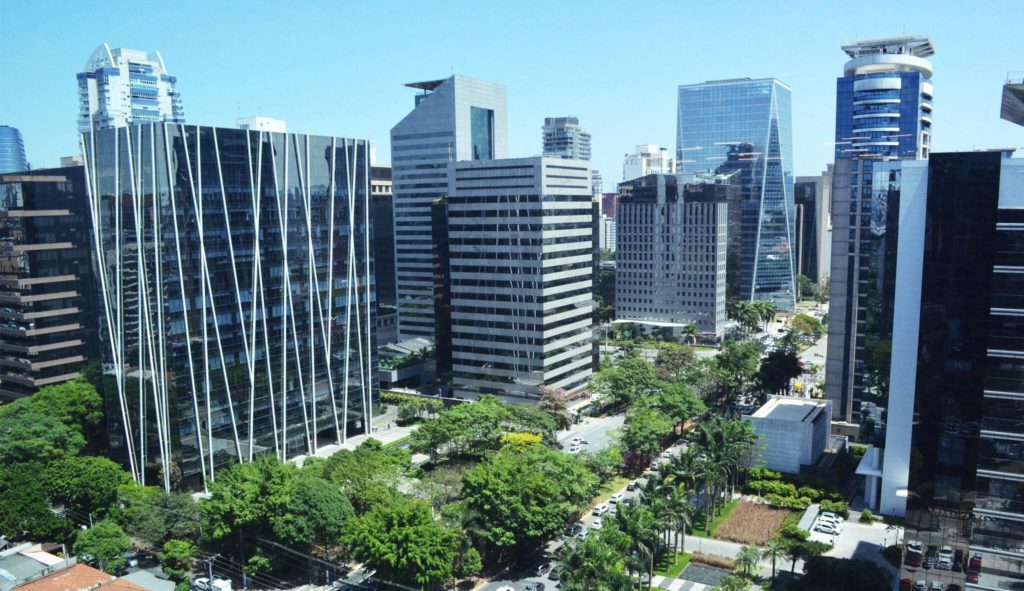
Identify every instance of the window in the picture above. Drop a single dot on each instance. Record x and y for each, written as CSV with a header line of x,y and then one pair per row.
x,y
482,133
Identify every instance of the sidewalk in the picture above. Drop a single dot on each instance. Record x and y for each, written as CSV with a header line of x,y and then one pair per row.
x,y
385,430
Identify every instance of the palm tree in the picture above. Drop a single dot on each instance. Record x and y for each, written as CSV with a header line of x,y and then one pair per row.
x,y
638,523
774,549
795,551
681,510
690,334
746,560
767,309
732,583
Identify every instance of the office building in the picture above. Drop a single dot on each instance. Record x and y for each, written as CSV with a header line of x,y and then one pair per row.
x,y
813,197
248,328
457,118
596,184
608,234
382,220
71,161
517,236
609,204
883,113
744,126
648,159
48,314
564,138
260,123
672,251
12,150
951,461
1012,108
791,432
119,87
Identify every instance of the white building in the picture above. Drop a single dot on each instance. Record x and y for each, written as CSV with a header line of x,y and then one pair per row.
x,y
521,292
259,123
793,432
607,231
119,87
564,138
648,159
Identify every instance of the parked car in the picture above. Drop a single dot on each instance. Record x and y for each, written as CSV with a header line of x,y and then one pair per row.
x,y
583,535
573,530
826,528
533,587
574,449
920,585
613,511
914,555
596,524
542,569
935,586
931,557
616,498
905,585
600,509
974,565
945,558
958,560
633,485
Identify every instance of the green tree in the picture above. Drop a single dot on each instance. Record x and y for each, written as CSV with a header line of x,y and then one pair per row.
x,y
644,431
774,549
806,325
554,401
25,510
732,583
596,564
672,359
746,560
103,545
626,382
403,543
524,498
368,474
605,463
317,514
75,404
807,287
177,558
777,370
739,363
86,484
27,435
678,403
476,428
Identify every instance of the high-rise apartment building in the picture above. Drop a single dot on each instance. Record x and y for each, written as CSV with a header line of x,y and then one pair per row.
x,y
518,236
12,150
745,126
671,261
951,461
48,313
564,138
248,327
596,183
608,233
813,201
457,118
648,159
883,113
119,87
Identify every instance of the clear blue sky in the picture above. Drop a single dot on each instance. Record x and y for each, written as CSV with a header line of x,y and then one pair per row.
x,y
338,68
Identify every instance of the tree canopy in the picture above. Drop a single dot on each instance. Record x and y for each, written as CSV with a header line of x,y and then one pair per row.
x,y
104,545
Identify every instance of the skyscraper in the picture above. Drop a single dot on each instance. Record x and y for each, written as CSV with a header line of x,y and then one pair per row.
x,y
12,150
883,113
648,159
457,118
247,327
673,241
951,461
520,256
49,314
564,138
119,87
813,200
745,125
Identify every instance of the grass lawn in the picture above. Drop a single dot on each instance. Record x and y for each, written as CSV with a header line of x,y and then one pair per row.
x,y
399,441
611,487
700,528
671,564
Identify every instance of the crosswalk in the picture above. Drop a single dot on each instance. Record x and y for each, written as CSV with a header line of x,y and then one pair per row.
x,y
678,584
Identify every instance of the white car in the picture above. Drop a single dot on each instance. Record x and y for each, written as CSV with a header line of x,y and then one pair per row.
x,y
575,449
831,516
667,453
596,524
612,511
616,498
826,528
600,509
945,558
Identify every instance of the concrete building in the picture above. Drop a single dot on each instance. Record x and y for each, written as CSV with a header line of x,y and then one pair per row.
x,y
744,127
119,87
813,202
648,159
672,251
516,250
48,314
883,113
455,119
1012,108
609,204
564,138
244,331
260,123
792,432
12,150
608,233
596,183
66,161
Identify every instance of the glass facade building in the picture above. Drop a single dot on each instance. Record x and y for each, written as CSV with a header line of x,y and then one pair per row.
x,y
457,118
237,296
47,304
12,150
883,113
746,125
953,441
122,86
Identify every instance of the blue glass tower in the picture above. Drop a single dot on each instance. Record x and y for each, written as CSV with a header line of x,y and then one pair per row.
x,y
744,127
12,150
883,113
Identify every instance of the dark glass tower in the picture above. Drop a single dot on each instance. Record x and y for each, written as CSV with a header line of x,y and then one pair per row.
x,y
747,124
236,276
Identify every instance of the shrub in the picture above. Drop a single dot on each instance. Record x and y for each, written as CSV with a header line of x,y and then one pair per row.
x,y
866,516
763,474
810,492
840,508
714,560
794,503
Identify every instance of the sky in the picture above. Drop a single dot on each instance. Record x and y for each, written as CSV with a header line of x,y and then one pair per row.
x,y
338,67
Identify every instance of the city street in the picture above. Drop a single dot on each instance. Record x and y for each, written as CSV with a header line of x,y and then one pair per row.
x,y
596,431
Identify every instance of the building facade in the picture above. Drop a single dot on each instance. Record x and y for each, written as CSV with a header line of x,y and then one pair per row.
x,y
457,118
745,125
951,462
48,311
883,113
648,159
520,251
609,204
236,282
791,432
260,123
671,259
12,150
813,203
608,233
119,87
564,138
